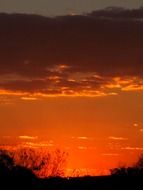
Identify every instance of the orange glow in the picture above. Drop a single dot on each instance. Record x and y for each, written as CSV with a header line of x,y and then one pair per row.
x,y
80,126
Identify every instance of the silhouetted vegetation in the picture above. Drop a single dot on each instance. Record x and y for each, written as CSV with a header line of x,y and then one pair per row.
x,y
12,175
42,163
135,170
20,175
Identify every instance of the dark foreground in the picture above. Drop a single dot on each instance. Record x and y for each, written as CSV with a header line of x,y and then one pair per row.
x,y
17,177
77,183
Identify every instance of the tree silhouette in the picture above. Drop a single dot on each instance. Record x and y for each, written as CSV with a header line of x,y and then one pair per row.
x,y
139,163
8,167
6,163
42,162
134,170
58,163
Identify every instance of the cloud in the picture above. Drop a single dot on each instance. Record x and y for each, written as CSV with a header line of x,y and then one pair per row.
x,y
117,138
37,145
132,148
82,138
135,124
118,13
25,137
85,148
27,144
28,98
110,154
141,130
44,56
82,147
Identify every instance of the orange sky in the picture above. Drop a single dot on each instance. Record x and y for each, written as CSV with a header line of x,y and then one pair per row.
x,y
98,133
74,83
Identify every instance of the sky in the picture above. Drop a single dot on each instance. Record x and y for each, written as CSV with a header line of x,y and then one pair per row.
x,y
73,82
60,7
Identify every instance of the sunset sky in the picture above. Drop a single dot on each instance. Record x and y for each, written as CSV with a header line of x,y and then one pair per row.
x,y
73,82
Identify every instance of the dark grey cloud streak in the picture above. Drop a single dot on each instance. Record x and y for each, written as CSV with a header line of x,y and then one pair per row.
x,y
68,54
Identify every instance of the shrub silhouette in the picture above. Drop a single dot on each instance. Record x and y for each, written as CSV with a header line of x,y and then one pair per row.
x,y
120,171
6,164
42,163
22,173
17,175
8,168
135,170
139,163
58,163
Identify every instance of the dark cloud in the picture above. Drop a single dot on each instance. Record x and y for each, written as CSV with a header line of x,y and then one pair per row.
x,y
118,12
69,51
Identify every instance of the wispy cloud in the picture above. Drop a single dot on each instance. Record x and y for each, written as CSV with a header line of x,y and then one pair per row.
x,y
109,154
132,148
82,147
42,144
29,98
117,138
37,145
82,138
86,147
135,124
25,137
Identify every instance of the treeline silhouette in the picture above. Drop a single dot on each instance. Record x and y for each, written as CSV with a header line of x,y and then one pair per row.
x,y
25,167
21,175
13,175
